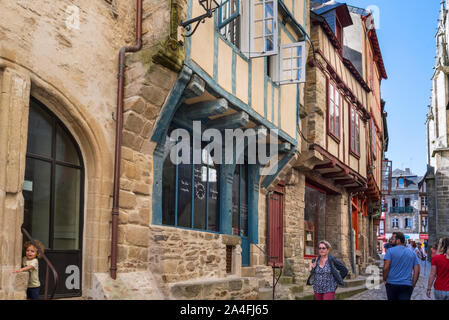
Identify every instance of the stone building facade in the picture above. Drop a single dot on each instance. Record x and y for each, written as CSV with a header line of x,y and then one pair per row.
x,y
206,230
437,136
403,205
343,126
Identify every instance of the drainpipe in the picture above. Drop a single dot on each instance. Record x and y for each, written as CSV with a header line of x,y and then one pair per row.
x,y
118,137
351,233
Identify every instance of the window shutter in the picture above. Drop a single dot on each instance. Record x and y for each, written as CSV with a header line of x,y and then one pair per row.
x,y
276,230
293,63
228,11
264,28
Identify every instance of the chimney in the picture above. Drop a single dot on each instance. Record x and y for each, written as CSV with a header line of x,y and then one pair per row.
x,y
407,171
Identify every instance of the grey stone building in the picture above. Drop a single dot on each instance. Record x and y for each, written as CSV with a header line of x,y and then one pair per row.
x,y
403,205
437,176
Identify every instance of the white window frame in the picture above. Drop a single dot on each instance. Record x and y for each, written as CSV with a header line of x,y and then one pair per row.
x,y
226,5
274,35
393,224
293,69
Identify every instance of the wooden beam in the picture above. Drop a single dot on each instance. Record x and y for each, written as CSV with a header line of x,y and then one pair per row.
x,y
331,175
183,123
233,121
329,165
345,181
285,147
319,181
203,110
355,189
195,88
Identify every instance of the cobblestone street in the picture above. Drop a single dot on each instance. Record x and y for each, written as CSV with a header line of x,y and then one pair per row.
x,y
419,293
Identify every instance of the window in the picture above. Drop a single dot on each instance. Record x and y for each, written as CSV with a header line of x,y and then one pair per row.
x,y
382,228
355,132
424,224
240,201
408,223
395,203
229,21
395,223
401,183
190,193
374,138
228,11
423,201
292,63
314,215
334,101
53,188
407,202
264,28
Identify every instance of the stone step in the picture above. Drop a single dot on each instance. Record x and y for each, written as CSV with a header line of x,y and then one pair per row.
x,y
355,282
341,294
266,294
286,280
296,289
344,293
248,272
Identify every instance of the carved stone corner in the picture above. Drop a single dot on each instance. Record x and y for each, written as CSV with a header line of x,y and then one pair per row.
x,y
170,54
307,160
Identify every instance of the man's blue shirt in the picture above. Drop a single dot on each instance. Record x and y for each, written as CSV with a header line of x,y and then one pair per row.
x,y
402,262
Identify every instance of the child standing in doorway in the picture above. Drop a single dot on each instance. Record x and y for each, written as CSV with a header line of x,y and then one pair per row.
x,y
31,265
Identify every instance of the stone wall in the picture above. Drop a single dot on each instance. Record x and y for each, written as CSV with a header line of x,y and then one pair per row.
x,y
337,227
14,107
294,227
438,197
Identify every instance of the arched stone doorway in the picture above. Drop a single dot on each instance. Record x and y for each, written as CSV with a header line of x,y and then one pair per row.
x,y
54,196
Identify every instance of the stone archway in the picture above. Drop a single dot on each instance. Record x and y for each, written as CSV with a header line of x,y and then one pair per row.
x,y
90,137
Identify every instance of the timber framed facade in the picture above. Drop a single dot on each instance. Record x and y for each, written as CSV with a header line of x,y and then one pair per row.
x,y
203,230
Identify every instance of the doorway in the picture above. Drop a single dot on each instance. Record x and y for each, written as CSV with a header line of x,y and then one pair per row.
x,y
53,193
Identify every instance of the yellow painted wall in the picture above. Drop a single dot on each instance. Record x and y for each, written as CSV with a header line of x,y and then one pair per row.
x,y
203,55
242,79
224,66
258,80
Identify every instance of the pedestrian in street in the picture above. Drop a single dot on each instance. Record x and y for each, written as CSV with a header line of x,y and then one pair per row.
x,y
433,250
439,273
326,274
409,243
389,244
413,246
399,265
422,256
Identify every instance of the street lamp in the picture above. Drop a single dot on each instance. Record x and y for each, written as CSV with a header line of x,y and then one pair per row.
x,y
209,6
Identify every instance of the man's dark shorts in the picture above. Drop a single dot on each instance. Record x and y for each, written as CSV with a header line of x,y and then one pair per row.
x,y
398,292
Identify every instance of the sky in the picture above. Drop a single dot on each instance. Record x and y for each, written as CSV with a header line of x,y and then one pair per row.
x,y
406,32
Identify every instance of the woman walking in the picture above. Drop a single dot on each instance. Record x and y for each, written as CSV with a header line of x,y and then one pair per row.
x,y
440,272
326,274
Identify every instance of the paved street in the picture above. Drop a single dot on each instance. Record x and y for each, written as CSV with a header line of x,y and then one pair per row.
x,y
380,294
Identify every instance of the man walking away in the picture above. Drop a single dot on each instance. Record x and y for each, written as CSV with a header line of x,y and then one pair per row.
x,y
399,262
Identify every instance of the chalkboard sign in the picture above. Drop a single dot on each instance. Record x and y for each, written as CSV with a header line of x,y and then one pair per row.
x,y
185,195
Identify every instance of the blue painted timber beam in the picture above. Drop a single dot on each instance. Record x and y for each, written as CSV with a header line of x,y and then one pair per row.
x,y
233,121
203,110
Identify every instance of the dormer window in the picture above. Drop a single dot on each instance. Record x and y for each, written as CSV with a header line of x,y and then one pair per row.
x,y
401,183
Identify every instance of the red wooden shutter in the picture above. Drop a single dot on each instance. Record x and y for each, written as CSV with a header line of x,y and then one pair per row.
x,y
276,230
